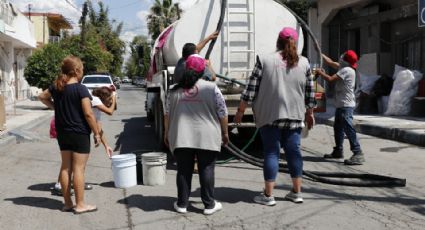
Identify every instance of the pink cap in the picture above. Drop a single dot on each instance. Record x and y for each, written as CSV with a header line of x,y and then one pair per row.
x,y
196,63
288,32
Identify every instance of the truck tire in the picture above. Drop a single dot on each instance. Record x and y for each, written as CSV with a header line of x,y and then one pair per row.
x,y
159,123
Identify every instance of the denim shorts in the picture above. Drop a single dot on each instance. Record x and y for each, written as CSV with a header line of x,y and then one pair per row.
x,y
75,142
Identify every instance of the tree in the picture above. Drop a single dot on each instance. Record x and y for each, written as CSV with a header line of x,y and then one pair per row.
x,y
97,25
162,14
44,65
139,60
300,7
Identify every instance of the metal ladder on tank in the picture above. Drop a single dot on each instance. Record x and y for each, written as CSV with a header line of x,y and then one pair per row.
x,y
241,8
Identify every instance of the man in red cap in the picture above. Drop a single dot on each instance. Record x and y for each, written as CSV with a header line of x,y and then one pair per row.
x,y
345,80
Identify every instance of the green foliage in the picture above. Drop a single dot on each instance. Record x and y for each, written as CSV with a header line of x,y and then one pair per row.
x,y
44,65
162,14
138,65
96,25
94,57
300,7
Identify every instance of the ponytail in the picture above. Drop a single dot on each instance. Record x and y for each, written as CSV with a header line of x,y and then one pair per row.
x,y
69,67
288,48
61,82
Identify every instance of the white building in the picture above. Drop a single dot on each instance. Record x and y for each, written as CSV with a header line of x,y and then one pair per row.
x,y
16,43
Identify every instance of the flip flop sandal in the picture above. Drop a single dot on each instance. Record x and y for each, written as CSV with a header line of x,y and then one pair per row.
x,y
93,209
88,187
65,209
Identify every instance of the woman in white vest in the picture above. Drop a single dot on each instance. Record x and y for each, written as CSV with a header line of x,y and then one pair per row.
x,y
195,125
281,91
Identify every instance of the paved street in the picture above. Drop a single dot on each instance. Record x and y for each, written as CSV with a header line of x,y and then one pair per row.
x,y
27,170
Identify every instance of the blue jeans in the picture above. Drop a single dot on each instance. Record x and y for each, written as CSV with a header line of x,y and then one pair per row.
x,y
290,139
344,124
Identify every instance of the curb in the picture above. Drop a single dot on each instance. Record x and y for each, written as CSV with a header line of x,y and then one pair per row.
x,y
7,140
18,134
396,134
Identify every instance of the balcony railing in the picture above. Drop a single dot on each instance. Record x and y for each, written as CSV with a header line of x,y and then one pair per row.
x,y
54,39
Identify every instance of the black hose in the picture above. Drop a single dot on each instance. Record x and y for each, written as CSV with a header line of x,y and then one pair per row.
x,y
218,29
363,179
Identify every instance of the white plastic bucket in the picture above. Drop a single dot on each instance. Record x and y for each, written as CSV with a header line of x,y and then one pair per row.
x,y
154,168
124,170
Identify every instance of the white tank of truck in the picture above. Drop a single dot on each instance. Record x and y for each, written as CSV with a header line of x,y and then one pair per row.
x,y
250,28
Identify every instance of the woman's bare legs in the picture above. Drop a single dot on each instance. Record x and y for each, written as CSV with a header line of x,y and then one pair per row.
x,y
65,177
79,161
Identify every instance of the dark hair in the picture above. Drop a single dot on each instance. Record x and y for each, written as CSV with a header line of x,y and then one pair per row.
x,y
189,79
69,67
288,48
103,93
188,49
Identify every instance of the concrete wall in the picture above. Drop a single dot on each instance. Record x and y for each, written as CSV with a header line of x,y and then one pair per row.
x,y
41,29
16,44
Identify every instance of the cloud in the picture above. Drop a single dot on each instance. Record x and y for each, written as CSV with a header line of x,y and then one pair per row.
x,y
68,9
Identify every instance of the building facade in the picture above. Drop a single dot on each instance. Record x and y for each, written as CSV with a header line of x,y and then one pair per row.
x,y
384,33
16,44
385,29
48,27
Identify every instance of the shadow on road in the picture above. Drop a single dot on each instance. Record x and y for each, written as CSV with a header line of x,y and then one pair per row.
x,y
38,202
149,203
138,134
46,187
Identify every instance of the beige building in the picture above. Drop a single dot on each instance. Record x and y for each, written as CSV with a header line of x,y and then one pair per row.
x,y
48,27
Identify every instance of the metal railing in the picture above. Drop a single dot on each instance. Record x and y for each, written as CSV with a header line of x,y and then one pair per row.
x,y
54,39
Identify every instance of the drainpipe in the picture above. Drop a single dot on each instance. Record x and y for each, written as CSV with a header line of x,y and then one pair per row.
x,y
44,29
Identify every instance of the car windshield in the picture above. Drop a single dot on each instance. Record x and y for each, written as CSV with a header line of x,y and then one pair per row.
x,y
96,79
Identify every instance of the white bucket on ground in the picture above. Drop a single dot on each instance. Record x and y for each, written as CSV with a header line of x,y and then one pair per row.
x,y
124,170
154,168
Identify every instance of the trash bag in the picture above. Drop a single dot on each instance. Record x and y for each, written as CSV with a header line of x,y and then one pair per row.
x,y
404,89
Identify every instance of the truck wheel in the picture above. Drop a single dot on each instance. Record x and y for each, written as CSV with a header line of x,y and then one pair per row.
x,y
159,123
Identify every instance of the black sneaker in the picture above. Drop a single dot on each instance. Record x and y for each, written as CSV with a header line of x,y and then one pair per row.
x,y
356,159
336,154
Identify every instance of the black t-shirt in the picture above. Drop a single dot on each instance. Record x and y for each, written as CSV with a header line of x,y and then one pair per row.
x,y
69,116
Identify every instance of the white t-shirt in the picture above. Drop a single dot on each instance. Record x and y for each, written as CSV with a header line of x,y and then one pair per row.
x,y
94,103
344,88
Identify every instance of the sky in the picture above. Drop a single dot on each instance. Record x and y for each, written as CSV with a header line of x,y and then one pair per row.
x,y
131,12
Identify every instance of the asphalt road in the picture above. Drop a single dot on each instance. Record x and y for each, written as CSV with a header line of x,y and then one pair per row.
x,y
27,170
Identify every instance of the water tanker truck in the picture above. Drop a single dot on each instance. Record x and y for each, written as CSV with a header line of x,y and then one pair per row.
x,y
249,28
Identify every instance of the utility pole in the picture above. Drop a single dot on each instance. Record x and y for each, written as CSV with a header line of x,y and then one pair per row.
x,y
29,11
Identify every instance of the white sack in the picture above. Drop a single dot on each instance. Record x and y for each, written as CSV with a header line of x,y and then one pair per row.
x,y
404,89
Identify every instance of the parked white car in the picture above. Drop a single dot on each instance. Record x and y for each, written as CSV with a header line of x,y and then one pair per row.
x,y
98,81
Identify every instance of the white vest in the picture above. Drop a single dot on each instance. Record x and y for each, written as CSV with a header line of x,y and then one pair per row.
x,y
282,91
193,119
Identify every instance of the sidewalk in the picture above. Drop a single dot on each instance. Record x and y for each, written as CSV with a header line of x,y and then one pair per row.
x,y
403,129
25,115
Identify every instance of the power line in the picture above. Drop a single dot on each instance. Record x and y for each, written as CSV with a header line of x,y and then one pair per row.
x,y
67,1
123,6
